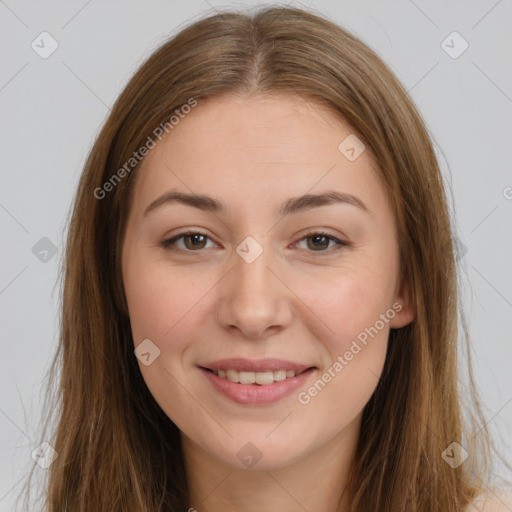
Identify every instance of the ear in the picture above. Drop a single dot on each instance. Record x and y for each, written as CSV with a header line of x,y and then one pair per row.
x,y
403,304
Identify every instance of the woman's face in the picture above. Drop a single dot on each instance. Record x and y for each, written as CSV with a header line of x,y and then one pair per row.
x,y
274,277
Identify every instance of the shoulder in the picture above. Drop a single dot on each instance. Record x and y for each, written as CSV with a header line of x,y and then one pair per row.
x,y
496,502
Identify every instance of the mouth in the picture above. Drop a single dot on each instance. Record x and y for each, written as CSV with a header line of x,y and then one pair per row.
x,y
258,378
252,382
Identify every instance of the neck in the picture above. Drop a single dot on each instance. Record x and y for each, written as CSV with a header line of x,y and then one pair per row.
x,y
316,481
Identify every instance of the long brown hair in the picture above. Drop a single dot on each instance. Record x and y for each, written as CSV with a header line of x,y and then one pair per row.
x,y
117,450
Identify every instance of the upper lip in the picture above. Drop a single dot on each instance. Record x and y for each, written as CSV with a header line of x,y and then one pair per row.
x,y
253,365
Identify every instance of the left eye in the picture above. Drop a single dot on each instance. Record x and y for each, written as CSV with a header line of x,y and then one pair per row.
x,y
193,241
321,241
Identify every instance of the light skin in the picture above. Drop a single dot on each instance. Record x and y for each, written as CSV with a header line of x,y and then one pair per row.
x,y
300,299
500,501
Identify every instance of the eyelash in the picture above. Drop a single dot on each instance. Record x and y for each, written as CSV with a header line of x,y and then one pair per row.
x,y
168,244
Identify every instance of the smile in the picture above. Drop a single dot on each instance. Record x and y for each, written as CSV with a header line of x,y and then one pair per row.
x,y
252,382
260,378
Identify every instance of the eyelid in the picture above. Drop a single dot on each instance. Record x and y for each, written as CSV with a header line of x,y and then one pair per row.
x,y
340,244
168,242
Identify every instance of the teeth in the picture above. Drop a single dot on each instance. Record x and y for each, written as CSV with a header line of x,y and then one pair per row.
x,y
279,375
261,378
232,375
246,377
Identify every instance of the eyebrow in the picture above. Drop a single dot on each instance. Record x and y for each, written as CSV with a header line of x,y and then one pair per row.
x,y
290,206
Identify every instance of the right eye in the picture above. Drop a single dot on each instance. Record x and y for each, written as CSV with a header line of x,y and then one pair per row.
x,y
192,240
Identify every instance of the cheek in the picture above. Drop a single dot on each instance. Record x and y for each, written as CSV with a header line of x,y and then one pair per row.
x,y
164,307
160,300
351,319
355,345
347,306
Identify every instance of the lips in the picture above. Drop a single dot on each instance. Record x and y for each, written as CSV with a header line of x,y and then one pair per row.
x,y
249,365
256,382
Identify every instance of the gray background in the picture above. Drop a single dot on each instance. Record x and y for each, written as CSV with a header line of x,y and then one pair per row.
x,y
51,110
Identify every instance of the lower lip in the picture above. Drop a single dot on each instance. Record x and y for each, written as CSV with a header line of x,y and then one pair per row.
x,y
254,394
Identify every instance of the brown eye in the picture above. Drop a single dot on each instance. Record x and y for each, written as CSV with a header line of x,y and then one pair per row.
x,y
195,241
319,242
192,241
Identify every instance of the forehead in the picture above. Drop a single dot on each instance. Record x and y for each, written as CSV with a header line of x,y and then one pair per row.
x,y
259,146
270,126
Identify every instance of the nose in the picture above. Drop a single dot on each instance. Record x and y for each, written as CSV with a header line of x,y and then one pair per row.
x,y
254,299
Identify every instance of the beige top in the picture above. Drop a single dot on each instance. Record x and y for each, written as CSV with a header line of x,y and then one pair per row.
x,y
500,501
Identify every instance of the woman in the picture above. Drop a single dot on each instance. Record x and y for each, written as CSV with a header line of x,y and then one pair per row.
x,y
260,298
